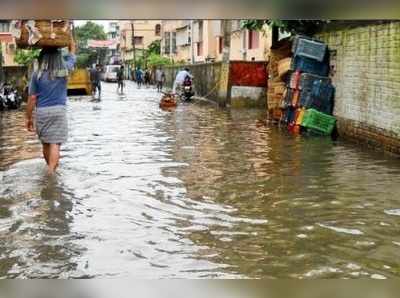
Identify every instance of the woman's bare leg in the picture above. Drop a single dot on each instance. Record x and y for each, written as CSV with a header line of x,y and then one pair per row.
x,y
54,157
46,152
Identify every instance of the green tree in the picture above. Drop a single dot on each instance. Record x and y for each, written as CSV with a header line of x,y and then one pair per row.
x,y
90,30
83,60
154,47
157,60
306,27
86,56
26,57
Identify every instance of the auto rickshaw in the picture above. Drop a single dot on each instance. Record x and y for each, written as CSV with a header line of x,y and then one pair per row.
x,y
79,82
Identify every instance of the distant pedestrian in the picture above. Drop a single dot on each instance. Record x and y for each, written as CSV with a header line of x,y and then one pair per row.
x,y
95,78
120,79
139,77
48,94
147,78
160,79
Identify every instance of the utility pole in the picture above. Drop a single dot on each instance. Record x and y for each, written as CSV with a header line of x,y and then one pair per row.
x,y
1,64
133,43
226,30
191,42
225,88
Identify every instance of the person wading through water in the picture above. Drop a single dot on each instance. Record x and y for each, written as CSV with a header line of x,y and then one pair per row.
x,y
160,79
95,78
120,79
48,94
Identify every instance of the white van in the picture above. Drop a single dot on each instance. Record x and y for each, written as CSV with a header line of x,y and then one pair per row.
x,y
110,74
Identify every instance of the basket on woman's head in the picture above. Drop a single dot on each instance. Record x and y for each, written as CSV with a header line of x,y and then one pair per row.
x,y
42,33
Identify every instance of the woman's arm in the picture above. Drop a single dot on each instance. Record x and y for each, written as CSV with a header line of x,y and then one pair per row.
x,y
32,99
29,112
70,59
72,46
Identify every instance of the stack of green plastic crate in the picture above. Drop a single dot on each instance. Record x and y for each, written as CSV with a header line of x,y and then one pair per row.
x,y
319,122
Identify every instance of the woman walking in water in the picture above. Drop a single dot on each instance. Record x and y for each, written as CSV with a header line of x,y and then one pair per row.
x,y
48,94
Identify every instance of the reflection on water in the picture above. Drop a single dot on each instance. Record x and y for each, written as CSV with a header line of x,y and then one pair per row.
x,y
198,192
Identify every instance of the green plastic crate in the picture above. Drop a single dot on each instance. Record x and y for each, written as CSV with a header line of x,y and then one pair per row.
x,y
318,121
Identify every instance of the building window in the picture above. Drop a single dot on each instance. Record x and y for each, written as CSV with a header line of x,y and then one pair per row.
x,y
4,27
220,44
200,48
200,31
138,40
254,39
182,37
236,25
167,42
173,42
158,30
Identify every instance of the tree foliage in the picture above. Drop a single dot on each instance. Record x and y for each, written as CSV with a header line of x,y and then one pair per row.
x,y
157,60
86,56
26,57
306,27
154,47
89,30
83,60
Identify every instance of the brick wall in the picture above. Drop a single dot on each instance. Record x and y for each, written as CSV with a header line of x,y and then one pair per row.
x,y
366,61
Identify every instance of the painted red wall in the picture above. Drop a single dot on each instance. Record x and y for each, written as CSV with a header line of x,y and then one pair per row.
x,y
245,73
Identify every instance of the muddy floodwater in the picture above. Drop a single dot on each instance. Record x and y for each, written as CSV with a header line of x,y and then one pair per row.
x,y
200,192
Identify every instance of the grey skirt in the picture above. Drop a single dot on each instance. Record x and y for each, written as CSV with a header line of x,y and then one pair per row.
x,y
52,124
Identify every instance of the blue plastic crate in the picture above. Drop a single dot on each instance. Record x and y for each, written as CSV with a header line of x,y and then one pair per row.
x,y
311,49
296,41
307,80
309,65
306,98
322,105
320,97
322,89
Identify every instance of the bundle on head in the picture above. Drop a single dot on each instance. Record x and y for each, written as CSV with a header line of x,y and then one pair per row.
x,y
48,33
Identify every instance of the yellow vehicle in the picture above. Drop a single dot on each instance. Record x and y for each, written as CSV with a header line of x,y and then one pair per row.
x,y
79,82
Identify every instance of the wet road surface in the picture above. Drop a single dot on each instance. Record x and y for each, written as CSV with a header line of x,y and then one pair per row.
x,y
195,193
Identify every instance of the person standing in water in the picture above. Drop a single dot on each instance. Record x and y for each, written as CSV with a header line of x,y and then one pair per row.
x,y
48,95
147,78
120,79
139,77
160,79
95,78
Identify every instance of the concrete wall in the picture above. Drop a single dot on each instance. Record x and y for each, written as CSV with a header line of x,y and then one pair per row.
x,y
366,61
248,83
221,83
208,80
248,97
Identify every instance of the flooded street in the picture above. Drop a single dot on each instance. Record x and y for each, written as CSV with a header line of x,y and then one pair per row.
x,y
195,193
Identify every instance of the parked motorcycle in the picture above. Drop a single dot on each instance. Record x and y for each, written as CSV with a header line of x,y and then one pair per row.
x,y
9,97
